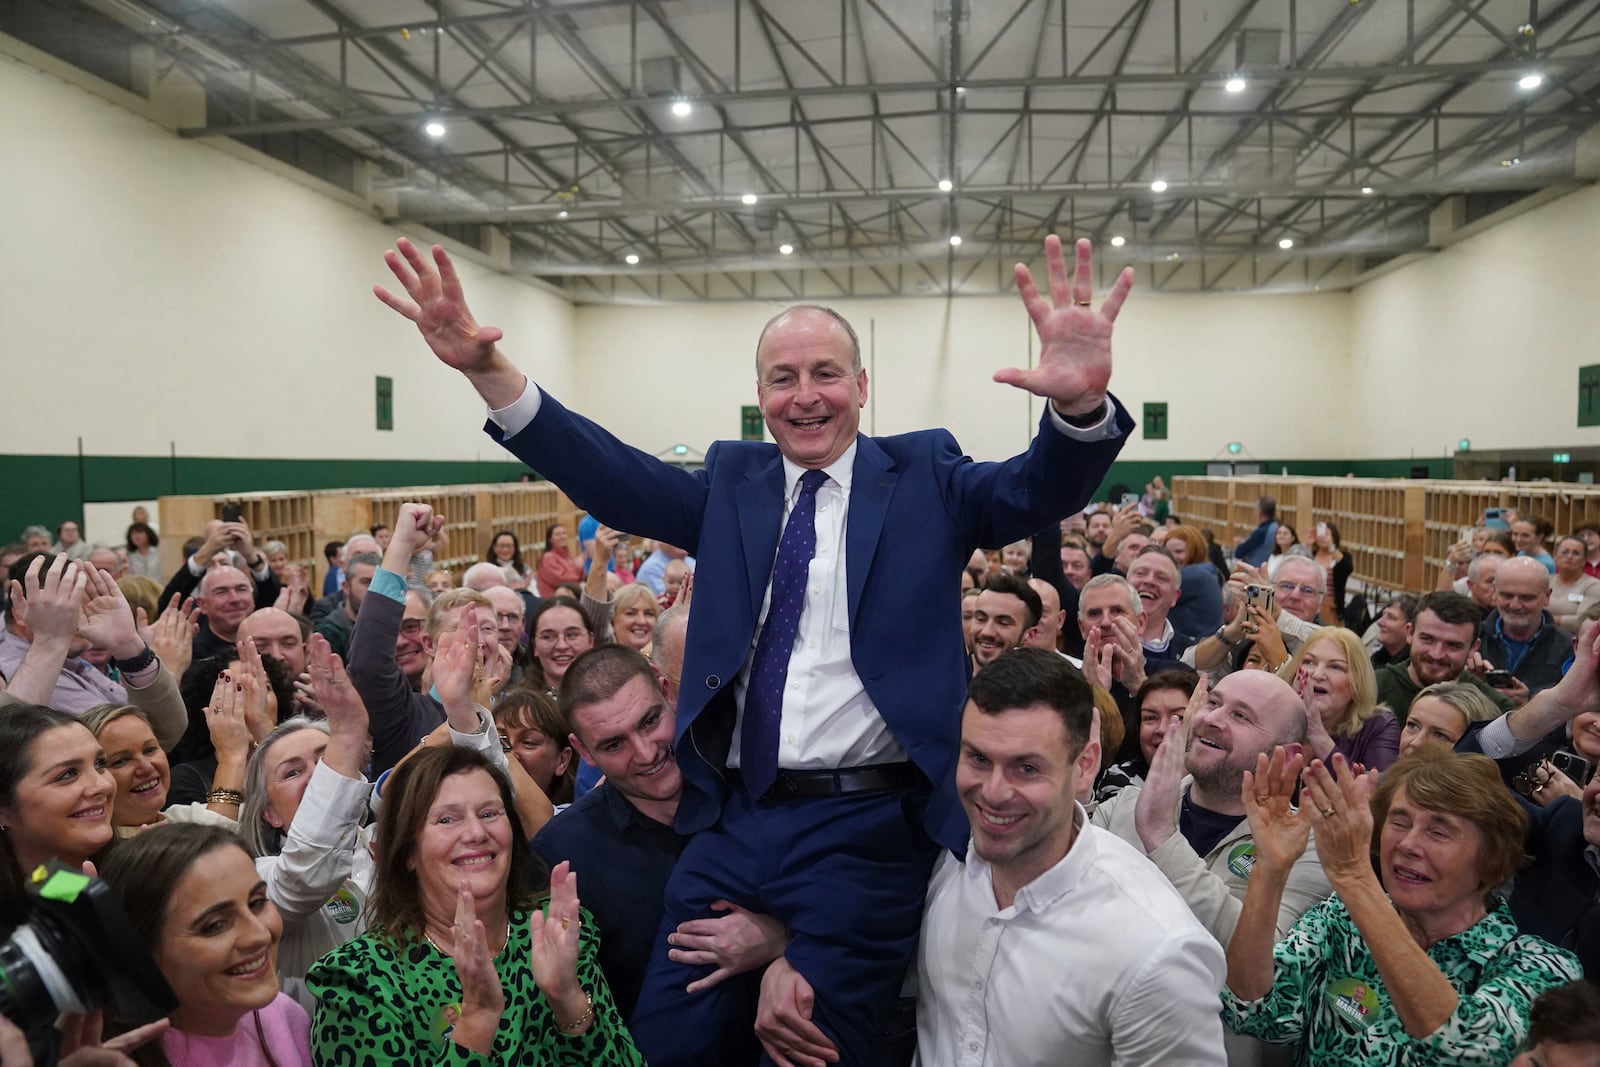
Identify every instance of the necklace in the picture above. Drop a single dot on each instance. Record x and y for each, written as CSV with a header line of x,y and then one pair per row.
x,y
440,949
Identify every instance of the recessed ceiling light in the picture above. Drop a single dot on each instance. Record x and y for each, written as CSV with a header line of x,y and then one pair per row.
x,y
945,185
1367,190
563,213
1158,186
748,199
955,240
1235,85
1117,241
1530,81
630,259
1286,243
434,128
786,249
681,108
961,90
1174,255
1513,161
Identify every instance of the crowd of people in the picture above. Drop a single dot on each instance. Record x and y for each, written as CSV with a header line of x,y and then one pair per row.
x,y
782,796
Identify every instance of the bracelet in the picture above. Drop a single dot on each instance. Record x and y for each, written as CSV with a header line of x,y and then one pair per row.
x,y
1225,642
143,661
225,796
582,1022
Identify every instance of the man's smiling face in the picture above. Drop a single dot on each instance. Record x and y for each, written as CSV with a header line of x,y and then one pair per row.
x,y
810,389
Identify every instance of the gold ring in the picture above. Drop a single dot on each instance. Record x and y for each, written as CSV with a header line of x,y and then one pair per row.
x,y
564,922
1328,813
1261,799
1084,303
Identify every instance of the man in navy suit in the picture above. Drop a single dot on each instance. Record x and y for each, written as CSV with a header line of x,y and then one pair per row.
x,y
824,668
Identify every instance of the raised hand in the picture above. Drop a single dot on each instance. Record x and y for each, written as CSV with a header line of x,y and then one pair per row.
x,y
53,601
260,702
553,955
438,307
414,527
1340,811
107,621
171,636
1075,340
336,695
1155,812
455,664
483,999
1280,832
225,719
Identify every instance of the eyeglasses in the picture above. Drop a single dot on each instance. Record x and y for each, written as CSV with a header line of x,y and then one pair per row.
x,y
509,616
1289,587
411,627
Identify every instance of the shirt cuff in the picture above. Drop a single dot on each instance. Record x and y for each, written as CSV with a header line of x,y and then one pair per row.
x,y
388,584
1498,742
1103,430
142,679
198,572
515,416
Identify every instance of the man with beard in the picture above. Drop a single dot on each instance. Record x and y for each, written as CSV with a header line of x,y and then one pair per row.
x,y
1442,639
1004,614
1187,815
1053,942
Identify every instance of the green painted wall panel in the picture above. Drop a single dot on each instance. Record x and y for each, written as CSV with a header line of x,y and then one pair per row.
x,y
49,489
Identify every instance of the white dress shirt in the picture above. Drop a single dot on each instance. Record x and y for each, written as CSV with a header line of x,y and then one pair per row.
x,y
828,721
1097,961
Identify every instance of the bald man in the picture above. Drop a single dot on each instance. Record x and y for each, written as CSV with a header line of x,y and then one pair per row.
x,y
1520,635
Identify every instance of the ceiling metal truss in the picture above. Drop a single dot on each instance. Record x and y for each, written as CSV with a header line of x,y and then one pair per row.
x,y
891,147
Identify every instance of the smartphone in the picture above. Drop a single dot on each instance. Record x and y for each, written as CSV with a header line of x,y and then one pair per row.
x,y
1261,596
1498,679
1493,513
1571,765
1322,529
1130,500
230,513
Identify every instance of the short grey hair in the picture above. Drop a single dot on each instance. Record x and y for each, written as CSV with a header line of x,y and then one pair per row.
x,y
1475,568
371,559
1101,581
665,623
850,331
278,547
1321,580
36,531
260,836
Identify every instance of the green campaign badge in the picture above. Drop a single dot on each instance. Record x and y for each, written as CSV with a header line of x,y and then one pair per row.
x,y
343,907
1354,1001
1242,860
444,1022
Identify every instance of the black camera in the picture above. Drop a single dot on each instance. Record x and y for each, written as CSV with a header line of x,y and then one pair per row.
x,y
78,952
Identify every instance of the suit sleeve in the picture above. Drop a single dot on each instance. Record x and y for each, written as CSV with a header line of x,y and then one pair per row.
x,y
620,485
998,503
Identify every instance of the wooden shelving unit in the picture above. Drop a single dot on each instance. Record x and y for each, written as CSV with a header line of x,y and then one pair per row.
x,y
1399,531
306,521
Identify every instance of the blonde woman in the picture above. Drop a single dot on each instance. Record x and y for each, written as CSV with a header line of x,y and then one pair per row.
x,y
1334,677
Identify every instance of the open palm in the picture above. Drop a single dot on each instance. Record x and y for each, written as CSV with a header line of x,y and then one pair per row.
x,y
438,307
1074,367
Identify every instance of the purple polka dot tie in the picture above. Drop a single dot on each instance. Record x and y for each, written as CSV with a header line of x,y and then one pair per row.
x,y
763,698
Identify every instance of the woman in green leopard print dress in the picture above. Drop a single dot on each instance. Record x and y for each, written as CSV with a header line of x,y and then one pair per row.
x,y
1424,967
464,964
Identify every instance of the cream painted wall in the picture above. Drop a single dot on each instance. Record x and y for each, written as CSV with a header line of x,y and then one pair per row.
x,y
157,289
1482,340
665,374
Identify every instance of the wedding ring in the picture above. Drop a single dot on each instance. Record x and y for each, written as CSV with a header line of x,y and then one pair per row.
x,y
565,922
1328,813
1084,303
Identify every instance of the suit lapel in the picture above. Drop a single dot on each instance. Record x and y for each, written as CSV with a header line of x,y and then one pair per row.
x,y
871,486
760,524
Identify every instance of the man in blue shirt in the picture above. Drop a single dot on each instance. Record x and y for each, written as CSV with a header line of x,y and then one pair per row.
x,y
1255,549
1520,635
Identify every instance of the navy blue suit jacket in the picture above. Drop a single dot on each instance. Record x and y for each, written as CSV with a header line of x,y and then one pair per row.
x,y
918,508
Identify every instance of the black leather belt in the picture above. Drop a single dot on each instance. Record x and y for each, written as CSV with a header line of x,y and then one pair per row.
x,y
794,785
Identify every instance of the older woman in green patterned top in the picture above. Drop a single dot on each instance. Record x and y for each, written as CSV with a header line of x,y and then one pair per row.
x,y
462,965
1423,967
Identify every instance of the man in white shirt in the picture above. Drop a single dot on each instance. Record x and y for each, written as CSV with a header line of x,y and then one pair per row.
x,y
1054,942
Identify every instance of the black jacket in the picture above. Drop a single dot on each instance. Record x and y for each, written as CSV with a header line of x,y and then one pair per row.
x,y
1541,664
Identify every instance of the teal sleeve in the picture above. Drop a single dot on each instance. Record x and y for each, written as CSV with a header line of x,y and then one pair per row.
x,y
389,584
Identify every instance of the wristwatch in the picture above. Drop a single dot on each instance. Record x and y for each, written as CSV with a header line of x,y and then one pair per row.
x,y
1219,635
